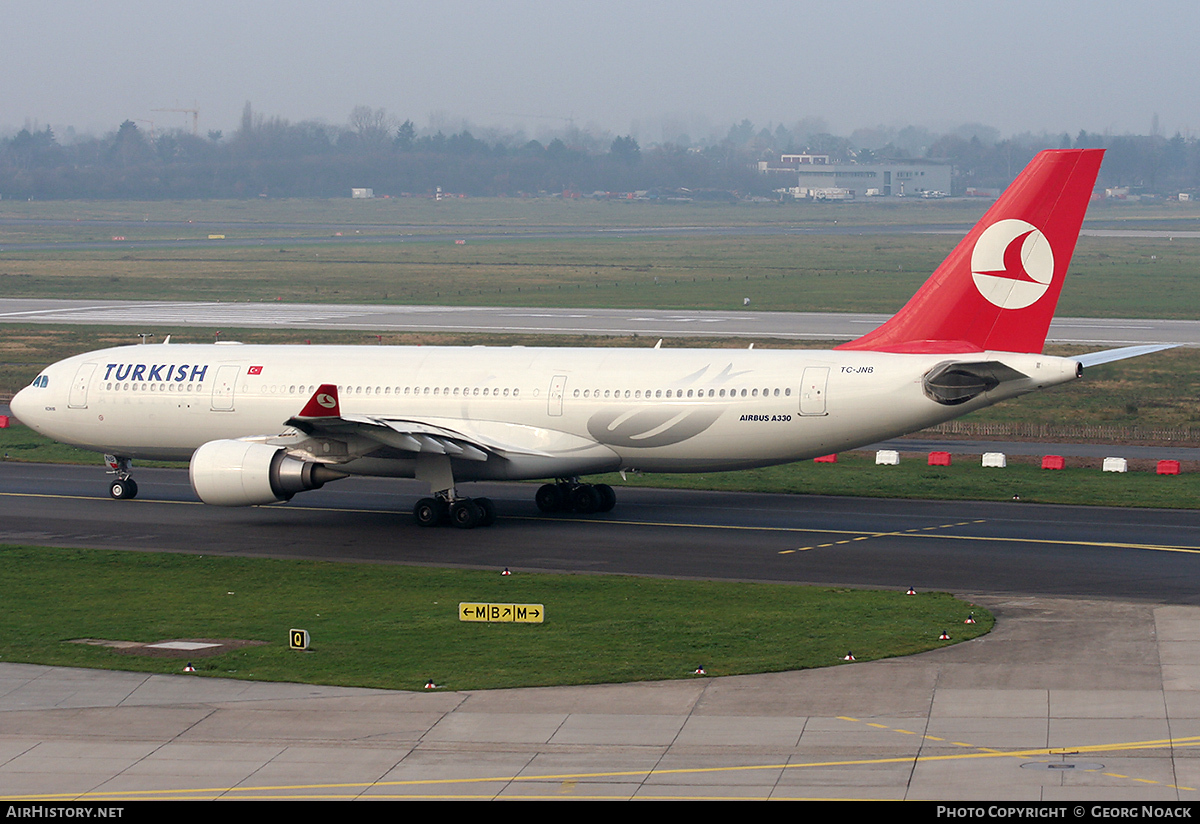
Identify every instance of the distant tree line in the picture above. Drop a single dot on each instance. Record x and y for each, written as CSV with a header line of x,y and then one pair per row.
x,y
270,156
1146,164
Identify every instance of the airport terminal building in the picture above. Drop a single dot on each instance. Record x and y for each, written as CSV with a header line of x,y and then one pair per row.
x,y
897,178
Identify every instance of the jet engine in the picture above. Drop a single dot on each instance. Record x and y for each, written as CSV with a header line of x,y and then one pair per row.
x,y
241,473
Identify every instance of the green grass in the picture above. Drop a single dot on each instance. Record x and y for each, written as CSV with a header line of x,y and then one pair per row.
x,y
1111,277
20,443
396,627
966,479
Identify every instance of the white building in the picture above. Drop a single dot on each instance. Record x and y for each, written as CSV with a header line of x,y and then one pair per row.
x,y
895,178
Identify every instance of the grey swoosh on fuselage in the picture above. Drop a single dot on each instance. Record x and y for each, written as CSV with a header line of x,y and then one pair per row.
x,y
650,427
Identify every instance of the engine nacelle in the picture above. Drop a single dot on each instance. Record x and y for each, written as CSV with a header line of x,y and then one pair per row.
x,y
240,473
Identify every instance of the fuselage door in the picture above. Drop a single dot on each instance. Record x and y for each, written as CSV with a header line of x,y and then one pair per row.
x,y
812,390
558,385
79,387
222,396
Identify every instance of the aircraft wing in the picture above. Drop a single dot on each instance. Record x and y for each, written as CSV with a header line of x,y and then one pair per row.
x,y
457,438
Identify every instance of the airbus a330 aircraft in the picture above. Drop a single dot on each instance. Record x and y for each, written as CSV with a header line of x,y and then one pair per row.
x,y
261,423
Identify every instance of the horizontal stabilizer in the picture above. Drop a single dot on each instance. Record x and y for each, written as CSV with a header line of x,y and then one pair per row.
x,y
1110,355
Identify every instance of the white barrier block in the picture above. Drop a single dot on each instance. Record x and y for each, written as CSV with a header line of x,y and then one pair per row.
x,y
887,457
995,459
1116,465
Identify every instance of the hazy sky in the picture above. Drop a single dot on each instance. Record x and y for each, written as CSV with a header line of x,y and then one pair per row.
x,y
696,66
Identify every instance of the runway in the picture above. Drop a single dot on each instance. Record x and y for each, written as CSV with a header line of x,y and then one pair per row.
x,y
178,234
151,315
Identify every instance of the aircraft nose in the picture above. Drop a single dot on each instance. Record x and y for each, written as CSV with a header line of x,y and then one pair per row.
x,y
22,405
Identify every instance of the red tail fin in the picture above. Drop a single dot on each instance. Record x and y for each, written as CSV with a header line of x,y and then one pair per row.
x,y
998,288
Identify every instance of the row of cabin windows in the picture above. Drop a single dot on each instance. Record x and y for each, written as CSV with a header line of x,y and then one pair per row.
x,y
456,391
442,391
402,390
679,393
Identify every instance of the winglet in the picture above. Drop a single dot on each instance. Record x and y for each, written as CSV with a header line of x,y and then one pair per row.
x,y
323,404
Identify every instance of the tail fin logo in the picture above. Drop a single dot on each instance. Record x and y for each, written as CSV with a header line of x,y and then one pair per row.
x,y
1012,264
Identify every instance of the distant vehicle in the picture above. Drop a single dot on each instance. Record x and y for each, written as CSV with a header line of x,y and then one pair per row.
x,y
262,423
831,193
933,195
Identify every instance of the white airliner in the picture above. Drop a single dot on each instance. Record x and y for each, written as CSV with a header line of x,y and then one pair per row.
x,y
261,423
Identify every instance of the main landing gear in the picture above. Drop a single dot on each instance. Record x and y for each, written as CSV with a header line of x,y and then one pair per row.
x,y
569,495
124,488
446,506
464,513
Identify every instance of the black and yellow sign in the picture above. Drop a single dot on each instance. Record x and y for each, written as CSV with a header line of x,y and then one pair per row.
x,y
298,638
502,613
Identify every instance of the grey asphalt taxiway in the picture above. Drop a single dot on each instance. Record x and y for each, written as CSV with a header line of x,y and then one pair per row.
x,y
1088,689
149,316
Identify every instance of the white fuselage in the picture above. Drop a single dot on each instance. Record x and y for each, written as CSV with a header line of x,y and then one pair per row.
x,y
552,411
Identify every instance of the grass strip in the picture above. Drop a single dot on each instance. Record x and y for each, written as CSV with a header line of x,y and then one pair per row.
x,y
396,627
1022,481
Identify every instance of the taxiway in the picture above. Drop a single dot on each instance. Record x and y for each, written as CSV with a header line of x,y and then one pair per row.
x,y
151,315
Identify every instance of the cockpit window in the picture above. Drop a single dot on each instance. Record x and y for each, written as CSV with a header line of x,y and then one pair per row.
x,y
41,381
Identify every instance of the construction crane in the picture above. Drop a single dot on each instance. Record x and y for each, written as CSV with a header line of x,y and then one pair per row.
x,y
195,113
569,120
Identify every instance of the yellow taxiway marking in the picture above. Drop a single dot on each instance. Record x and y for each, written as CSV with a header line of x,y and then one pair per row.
x,y
569,780
917,532
896,533
929,532
1191,741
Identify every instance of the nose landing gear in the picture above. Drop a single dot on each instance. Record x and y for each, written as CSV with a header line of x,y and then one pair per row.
x,y
124,488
